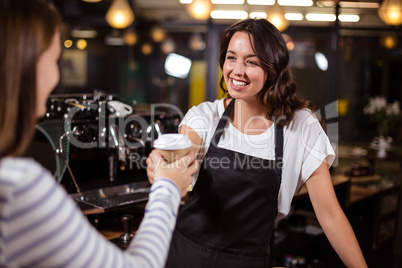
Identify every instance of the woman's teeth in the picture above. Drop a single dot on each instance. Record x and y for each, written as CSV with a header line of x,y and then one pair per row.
x,y
239,83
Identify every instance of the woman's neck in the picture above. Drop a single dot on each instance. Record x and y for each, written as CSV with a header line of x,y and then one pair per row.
x,y
249,117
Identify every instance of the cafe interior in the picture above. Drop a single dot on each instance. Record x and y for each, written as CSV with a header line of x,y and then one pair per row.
x,y
142,64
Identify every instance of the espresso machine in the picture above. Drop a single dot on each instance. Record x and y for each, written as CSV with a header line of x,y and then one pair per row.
x,y
97,146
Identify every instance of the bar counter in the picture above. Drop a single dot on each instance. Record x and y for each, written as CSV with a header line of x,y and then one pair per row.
x,y
372,212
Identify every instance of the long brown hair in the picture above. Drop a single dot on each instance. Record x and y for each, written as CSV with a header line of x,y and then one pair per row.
x,y
26,30
278,94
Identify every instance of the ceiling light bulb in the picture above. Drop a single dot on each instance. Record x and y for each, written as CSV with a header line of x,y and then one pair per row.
x,y
289,42
130,37
349,18
158,34
168,46
197,43
329,3
120,14
146,49
359,4
261,2
299,3
200,9
294,16
81,44
228,2
390,12
68,43
389,40
276,16
320,17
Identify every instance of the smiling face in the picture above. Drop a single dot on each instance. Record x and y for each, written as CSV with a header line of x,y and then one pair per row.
x,y
47,74
242,69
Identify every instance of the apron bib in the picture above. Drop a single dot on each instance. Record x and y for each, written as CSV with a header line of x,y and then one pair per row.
x,y
228,219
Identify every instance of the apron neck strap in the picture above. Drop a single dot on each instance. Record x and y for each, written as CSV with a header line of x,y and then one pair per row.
x,y
222,123
278,146
278,141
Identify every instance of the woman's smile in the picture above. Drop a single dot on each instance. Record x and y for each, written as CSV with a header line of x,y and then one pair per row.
x,y
238,84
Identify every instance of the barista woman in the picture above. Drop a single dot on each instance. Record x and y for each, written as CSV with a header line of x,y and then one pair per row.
x,y
40,226
258,146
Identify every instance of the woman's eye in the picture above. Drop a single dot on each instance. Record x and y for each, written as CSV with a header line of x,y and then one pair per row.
x,y
230,58
252,62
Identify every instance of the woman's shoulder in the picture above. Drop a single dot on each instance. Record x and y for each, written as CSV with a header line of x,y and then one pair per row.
x,y
204,117
210,104
20,164
14,169
209,107
304,116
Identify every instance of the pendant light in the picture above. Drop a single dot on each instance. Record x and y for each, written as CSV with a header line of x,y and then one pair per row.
x,y
200,9
168,46
130,37
390,12
158,34
146,48
276,16
120,14
388,40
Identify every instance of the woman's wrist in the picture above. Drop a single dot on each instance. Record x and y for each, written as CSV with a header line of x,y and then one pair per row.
x,y
166,186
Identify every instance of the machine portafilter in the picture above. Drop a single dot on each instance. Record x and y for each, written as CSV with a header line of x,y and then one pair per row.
x,y
118,142
123,149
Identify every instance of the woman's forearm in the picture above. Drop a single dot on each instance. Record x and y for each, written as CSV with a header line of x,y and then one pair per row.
x,y
332,219
342,238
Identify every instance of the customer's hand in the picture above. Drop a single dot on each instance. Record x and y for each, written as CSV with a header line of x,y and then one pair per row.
x,y
180,171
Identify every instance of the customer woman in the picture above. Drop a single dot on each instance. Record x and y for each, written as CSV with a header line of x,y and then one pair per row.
x,y
40,226
258,146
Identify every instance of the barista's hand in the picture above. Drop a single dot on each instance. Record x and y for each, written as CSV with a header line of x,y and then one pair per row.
x,y
154,156
180,171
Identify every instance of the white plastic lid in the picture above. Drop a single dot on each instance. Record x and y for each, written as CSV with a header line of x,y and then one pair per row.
x,y
172,142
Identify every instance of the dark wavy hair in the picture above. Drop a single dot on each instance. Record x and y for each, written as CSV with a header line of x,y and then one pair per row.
x,y
27,28
278,94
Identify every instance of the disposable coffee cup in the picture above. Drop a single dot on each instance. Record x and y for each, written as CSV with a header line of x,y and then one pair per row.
x,y
172,146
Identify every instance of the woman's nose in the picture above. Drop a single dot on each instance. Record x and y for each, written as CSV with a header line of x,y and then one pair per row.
x,y
239,68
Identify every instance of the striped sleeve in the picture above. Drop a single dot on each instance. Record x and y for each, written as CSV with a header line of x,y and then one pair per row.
x,y
40,226
152,240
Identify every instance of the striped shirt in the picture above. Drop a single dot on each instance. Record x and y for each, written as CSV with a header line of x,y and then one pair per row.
x,y
40,225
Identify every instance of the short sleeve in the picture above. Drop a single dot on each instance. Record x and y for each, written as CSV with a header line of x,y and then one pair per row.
x,y
202,119
317,147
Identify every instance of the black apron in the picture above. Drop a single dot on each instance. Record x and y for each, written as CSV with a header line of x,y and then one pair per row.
x,y
228,219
